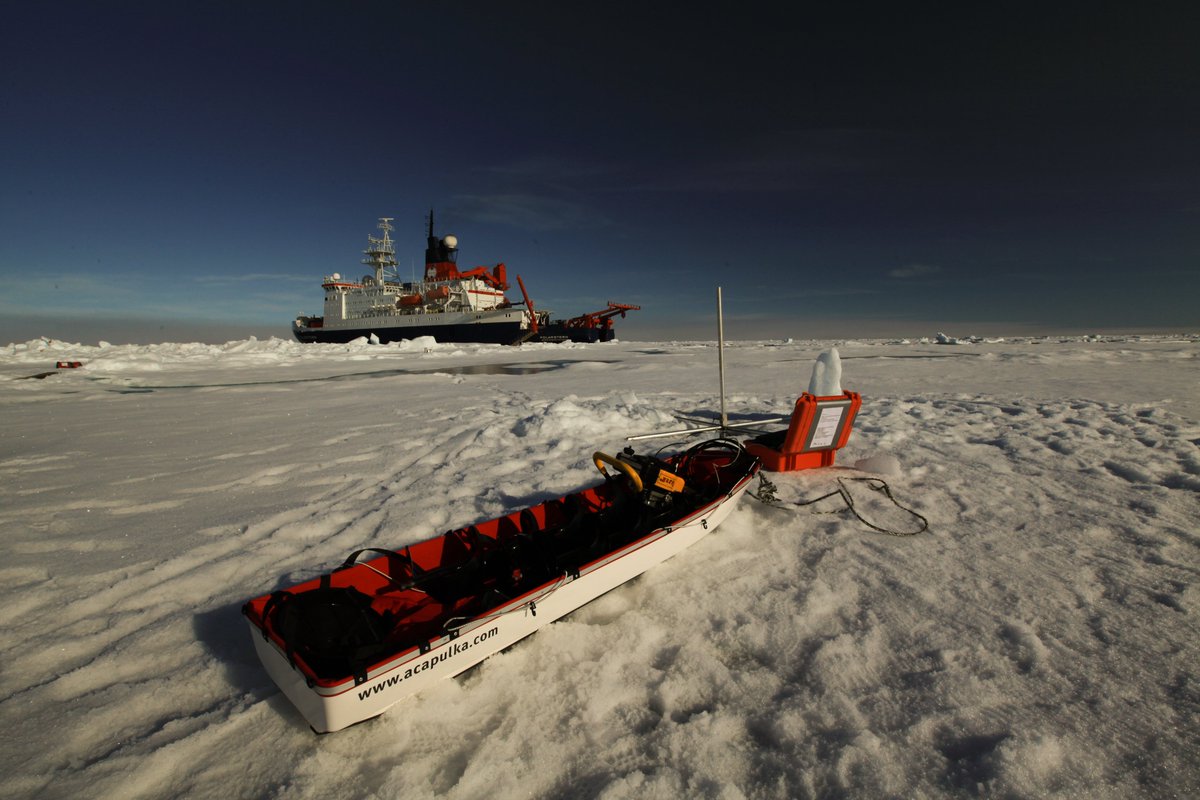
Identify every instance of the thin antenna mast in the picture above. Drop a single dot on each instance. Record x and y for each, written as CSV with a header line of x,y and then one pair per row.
x,y
724,426
721,356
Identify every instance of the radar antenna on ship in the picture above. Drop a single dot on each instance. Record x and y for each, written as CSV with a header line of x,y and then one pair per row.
x,y
382,253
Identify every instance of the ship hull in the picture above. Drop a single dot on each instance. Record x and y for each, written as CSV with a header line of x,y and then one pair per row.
x,y
561,333
485,333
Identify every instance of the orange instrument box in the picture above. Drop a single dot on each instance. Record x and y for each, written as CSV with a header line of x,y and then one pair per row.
x,y
820,426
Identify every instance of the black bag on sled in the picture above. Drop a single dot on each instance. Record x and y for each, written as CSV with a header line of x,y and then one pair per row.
x,y
334,630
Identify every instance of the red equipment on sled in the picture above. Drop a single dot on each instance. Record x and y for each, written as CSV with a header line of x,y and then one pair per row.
x,y
819,427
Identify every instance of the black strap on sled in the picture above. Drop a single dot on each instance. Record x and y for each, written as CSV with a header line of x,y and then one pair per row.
x,y
272,603
451,582
406,557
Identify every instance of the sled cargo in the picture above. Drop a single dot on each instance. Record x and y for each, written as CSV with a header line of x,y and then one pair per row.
x,y
346,646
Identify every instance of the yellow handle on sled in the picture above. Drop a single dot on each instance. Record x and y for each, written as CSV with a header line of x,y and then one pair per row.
x,y
600,459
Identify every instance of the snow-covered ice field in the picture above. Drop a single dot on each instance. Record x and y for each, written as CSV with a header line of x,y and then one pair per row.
x,y
1042,639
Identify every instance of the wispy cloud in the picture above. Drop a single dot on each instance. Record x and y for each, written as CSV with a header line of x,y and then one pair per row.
x,y
790,161
549,170
254,276
131,295
777,295
914,271
528,211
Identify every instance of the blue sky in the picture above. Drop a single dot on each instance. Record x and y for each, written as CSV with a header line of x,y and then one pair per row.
x,y
890,169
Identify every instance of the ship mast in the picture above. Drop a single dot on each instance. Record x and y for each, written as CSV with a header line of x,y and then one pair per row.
x,y
382,253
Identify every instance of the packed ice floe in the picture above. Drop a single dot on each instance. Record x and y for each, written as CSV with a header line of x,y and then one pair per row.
x,y
1039,640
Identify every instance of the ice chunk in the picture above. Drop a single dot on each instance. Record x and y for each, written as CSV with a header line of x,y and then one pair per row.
x,y
882,464
826,380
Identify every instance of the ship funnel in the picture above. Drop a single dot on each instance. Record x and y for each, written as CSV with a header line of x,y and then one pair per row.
x,y
440,251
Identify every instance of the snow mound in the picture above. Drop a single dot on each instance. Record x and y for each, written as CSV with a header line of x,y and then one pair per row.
x,y
573,419
883,464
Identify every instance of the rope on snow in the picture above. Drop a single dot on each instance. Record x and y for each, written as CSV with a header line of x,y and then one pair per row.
x,y
767,494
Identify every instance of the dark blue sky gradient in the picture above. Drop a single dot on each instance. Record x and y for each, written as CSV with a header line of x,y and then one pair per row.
x,y
873,170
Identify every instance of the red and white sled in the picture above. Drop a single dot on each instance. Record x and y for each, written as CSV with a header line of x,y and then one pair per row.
x,y
348,645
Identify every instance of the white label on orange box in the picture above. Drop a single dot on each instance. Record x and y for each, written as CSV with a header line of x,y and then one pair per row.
x,y
826,427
